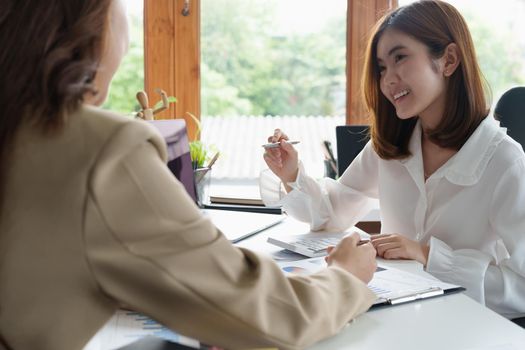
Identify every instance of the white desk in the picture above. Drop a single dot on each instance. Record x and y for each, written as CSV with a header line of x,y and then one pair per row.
x,y
451,322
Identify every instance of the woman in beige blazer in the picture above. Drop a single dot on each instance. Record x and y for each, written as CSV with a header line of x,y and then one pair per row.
x,y
92,220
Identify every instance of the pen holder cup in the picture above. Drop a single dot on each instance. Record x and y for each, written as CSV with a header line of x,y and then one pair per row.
x,y
329,170
202,178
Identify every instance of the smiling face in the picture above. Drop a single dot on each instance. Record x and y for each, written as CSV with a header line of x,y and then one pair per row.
x,y
410,79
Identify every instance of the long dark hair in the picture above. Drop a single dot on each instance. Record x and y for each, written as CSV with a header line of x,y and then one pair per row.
x,y
49,57
435,24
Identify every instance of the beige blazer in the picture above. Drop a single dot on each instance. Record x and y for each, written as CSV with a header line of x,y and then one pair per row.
x,y
94,221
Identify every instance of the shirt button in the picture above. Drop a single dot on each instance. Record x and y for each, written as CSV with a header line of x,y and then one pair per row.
x,y
418,237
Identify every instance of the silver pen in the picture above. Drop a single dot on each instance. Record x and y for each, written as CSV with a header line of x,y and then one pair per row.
x,y
277,144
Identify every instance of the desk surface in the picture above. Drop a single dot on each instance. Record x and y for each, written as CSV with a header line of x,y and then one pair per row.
x,y
449,322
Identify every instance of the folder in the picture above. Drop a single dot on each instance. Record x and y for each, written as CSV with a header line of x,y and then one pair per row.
x,y
237,226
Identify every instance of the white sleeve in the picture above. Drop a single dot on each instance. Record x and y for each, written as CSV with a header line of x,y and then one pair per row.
x,y
499,285
335,205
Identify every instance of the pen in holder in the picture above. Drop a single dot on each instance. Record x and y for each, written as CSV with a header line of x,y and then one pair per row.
x,y
202,178
202,174
330,163
329,169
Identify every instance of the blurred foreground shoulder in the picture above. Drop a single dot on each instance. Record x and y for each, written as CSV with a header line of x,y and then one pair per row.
x,y
114,132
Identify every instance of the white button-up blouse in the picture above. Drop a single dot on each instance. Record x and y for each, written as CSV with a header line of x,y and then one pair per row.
x,y
471,211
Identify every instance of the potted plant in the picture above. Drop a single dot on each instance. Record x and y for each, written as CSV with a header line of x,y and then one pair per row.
x,y
202,158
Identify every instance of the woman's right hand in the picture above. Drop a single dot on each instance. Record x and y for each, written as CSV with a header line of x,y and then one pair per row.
x,y
282,161
359,260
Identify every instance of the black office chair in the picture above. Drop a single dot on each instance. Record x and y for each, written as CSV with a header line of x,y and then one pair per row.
x,y
519,321
351,139
510,111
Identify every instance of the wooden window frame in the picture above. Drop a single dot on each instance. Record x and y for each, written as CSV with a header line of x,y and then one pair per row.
x,y
172,57
361,17
172,54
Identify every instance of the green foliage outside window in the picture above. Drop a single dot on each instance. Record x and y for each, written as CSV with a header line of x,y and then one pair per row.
x,y
129,78
248,68
502,60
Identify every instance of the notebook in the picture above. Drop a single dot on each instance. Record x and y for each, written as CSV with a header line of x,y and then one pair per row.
x,y
236,194
224,199
236,225
313,244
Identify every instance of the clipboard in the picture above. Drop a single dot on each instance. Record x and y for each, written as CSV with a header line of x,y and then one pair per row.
x,y
395,287
431,292
392,286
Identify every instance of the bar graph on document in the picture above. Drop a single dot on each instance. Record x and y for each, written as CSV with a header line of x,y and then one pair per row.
x,y
126,327
378,290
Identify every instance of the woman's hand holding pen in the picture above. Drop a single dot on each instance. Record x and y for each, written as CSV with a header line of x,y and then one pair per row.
x,y
395,246
354,257
282,161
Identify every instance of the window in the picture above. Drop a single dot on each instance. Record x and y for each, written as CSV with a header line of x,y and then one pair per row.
x,y
267,64
129,79
258,57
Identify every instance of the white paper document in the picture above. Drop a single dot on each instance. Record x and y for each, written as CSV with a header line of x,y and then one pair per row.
x,y
389,284
125,327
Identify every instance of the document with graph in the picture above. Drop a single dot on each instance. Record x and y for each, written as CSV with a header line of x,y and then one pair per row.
x,y
392,286
126,327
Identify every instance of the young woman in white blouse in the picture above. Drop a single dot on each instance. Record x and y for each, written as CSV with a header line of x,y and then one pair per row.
x,y
450,182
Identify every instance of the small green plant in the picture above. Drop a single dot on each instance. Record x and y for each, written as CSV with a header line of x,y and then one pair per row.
x,y
199,152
